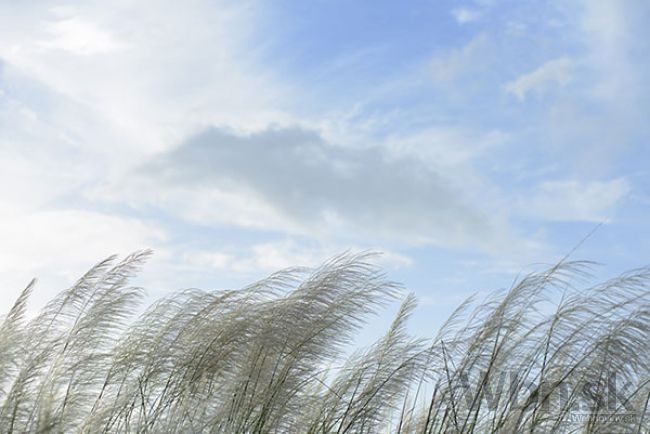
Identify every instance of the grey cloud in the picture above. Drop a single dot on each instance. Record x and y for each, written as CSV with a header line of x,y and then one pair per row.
x,y
308,180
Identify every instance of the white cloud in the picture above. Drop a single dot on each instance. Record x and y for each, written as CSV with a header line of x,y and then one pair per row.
x,y
57,246
610,31
468,60
573,200
79,37
272,256
554,72
208,259
446,148
147,74
275,256
46,238
464,15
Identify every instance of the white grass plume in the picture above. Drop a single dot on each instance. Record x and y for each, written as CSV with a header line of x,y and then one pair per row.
x,y
539,357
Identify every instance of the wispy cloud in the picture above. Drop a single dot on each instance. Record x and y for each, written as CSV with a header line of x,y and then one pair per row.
x,y
80,37
450,64
464,15
573,200
554,72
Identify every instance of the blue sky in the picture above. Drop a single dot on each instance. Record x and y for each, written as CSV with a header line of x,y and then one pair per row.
x,y
467,140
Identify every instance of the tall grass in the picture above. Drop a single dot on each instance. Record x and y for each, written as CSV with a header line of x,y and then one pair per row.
x,y
550,354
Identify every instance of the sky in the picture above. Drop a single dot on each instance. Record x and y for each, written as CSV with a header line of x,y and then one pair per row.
x,y
469,141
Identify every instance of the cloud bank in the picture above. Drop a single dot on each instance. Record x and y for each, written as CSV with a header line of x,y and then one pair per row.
x,y
293,178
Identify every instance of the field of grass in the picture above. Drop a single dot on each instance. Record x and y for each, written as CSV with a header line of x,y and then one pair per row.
x,y
551,354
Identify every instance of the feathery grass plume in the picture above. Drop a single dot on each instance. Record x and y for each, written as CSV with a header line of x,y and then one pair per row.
x,y
551,354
